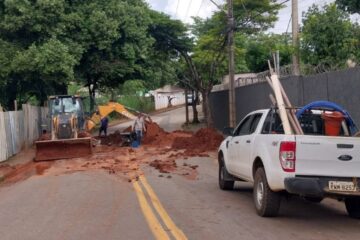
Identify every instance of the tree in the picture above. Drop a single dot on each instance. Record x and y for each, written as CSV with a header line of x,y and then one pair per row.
x,y
328,37
171,37
132,87
208,62
111,61
34,61
260,47
162,64
47,44
351,6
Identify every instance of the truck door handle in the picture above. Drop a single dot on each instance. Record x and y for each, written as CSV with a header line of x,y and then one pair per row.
x,y
248,141
236,142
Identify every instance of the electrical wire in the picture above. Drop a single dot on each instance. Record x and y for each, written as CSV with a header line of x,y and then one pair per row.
x,y
215,4
177,7
287,29
188,9
201,4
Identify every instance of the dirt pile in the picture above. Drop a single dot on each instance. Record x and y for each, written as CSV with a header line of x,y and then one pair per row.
x,y
166,166
164,151
155,135
128,129
206,139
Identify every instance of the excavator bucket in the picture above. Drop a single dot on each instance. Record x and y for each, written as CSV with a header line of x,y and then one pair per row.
x,y
63,149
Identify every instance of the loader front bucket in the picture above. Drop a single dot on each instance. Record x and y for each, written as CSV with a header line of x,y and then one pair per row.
x,y
62,149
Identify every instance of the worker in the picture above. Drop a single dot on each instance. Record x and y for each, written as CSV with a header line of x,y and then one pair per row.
x,y
139,127
103,125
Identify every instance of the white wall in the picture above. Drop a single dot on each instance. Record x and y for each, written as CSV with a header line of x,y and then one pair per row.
x,y
161,100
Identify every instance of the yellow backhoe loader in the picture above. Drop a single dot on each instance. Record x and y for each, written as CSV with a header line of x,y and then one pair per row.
x,y
67,122
105,110
69,137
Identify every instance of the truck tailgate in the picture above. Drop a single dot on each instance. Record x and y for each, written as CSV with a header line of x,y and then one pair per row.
x,y
327,156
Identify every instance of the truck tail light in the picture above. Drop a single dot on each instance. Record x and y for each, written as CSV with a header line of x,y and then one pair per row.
x,y
287,155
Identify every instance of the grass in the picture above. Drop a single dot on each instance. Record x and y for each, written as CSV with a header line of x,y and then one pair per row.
x,y
141,104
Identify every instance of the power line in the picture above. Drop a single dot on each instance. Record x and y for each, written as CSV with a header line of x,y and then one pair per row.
x,y
215,4
218,6
198,11
188,9
288,25
177,8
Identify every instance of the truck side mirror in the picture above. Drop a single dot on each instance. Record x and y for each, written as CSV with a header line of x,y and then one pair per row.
x,y
228,131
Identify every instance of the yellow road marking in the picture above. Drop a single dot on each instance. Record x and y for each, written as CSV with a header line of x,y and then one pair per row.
x,y
176,232
152,221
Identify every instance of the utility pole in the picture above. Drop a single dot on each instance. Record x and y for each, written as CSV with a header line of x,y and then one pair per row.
x,y
232,107
295,37
231,49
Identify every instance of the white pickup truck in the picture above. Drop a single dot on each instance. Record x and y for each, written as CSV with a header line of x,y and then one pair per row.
x,y
312,165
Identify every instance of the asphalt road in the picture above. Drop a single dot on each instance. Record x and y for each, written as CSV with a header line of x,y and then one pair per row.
x,y
96,205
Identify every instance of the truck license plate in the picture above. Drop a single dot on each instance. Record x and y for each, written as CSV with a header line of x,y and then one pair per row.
x,y
342,186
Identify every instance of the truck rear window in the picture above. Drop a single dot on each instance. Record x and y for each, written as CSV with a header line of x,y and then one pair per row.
x,y
311,123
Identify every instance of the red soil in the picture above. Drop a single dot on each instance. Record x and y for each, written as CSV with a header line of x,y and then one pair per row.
x,y
125,162
204,140
111,139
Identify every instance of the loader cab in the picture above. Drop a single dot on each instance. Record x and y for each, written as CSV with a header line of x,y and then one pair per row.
x,y
67,105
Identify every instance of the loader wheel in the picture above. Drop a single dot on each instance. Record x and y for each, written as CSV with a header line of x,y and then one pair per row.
x,y
353,207
224,184
267,202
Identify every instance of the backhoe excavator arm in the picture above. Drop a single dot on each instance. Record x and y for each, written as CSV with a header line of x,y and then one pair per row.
x,y
105,110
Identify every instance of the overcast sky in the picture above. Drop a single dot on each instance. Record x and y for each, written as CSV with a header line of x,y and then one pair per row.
x,y
184,9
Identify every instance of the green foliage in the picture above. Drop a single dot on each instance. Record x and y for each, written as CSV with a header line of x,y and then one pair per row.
x,y
210,52
49,59
142,104
328,37
45,44
162,65
259,49
170,35
73,88
351,6
111,61
132,87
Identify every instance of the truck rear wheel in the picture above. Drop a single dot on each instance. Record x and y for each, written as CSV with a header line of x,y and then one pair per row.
x,y
224,184
353,207
267,202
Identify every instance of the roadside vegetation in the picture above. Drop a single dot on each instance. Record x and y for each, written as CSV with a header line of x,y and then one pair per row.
x,y
119,50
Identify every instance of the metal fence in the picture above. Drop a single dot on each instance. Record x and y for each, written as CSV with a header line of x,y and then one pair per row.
x,y
19,129
341,87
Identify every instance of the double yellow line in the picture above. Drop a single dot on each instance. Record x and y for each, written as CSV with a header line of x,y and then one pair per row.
x,y
154,224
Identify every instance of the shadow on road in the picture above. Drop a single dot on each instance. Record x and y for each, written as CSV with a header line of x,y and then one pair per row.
x,y
297,208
